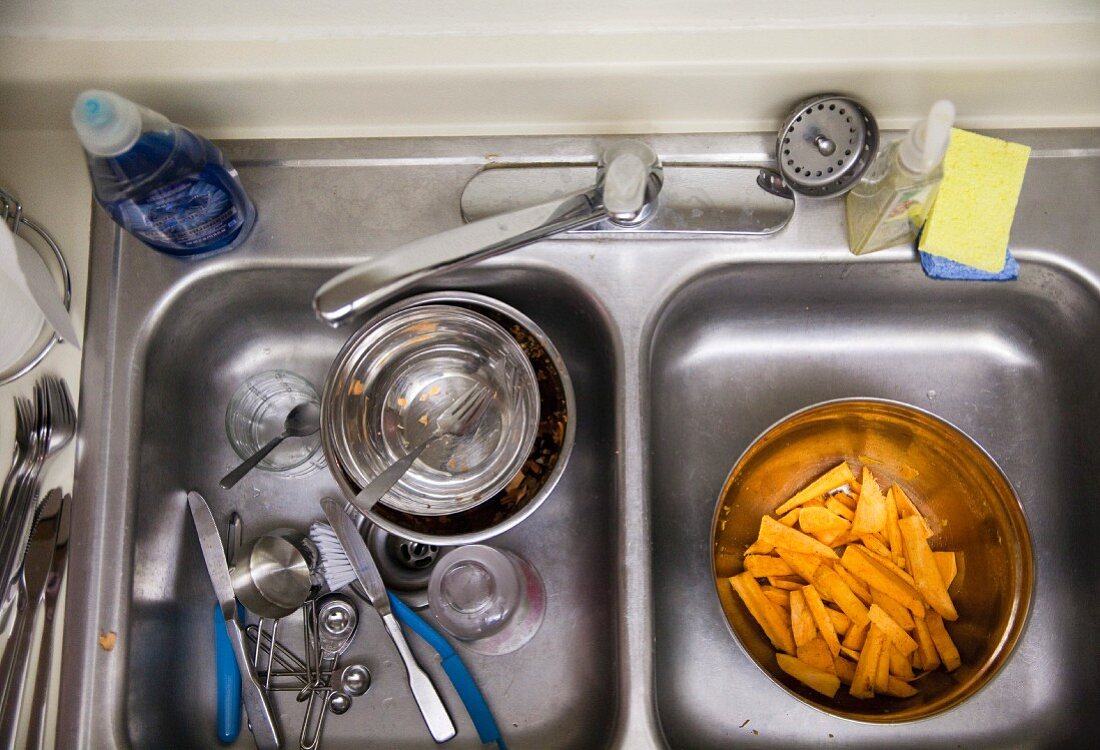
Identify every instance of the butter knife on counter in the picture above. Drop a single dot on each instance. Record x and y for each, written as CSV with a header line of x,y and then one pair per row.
x,y
17,651
36,729
427,699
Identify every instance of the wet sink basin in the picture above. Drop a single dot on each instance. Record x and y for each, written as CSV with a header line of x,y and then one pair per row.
x,y
213,336
1002,362
681,349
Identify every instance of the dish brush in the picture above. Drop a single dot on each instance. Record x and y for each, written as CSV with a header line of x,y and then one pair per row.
x,y
335,566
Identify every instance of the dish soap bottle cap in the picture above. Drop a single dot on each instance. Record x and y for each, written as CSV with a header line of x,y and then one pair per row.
x,y
106,123
923,148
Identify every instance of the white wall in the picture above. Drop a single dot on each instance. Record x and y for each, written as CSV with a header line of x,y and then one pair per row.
x,y
394,67
308,19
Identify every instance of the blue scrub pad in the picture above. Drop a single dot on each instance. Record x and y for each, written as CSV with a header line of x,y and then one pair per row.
x,y
938,267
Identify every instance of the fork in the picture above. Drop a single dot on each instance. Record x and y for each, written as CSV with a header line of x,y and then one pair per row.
x,y
459,419
24,418
53,427
63,413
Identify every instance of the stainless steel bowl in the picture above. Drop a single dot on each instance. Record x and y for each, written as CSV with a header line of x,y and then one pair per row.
x,y
955,484
541,468
398,372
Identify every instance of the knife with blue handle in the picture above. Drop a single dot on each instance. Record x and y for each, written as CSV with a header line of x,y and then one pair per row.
x,y
261,719
228,678
227,675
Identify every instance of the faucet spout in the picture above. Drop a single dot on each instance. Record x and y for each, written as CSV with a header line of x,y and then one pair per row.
x,y
628,182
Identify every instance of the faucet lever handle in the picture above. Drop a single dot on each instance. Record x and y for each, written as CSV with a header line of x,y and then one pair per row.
x,y
626,172
624,186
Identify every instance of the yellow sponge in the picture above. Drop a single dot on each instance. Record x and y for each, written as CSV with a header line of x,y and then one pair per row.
x,y
971,218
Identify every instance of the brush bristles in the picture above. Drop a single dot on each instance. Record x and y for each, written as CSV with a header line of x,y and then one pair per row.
x,y
335,565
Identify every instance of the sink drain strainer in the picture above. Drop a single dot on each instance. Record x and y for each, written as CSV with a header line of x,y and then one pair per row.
x,y
826,144
405,565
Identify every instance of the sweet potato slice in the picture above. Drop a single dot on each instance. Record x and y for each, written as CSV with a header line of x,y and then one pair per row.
x,y
773,620
790,519
779,596
802,621
759,548
906,508
816,679
893,533
856,637
776,534
899,688
929,656
871,508
948,567
815,653
848,496
875,545
858,587
821,520
836,506
837,476
897,612
841,621
898,637
945,647
821,619
845,670
899,664
890,565
922,564
881,680
863,680
762,566
802,564
864,568
832,586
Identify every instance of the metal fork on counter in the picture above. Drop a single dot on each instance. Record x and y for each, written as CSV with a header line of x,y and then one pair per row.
x,y
42,428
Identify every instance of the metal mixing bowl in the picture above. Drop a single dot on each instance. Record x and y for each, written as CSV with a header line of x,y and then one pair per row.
x,y
399,372
541,468
955,484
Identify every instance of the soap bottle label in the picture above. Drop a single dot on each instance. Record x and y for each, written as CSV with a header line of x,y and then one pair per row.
x,y
903,217
190,212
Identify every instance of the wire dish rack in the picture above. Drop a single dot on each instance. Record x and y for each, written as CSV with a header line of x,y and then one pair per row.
x,y
11,212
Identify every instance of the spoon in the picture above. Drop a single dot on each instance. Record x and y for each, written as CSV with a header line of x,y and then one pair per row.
x,y
350,682
354,680
303,420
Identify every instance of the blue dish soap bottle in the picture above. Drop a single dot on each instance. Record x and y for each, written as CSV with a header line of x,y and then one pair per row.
x,y
167,186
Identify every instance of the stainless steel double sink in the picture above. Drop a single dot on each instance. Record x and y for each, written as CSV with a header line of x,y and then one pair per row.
x,y
682,349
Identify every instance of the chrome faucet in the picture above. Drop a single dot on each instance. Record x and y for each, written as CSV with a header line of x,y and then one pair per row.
x,y
628,181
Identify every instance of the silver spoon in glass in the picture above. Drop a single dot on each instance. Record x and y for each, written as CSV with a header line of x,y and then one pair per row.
x,y
303,420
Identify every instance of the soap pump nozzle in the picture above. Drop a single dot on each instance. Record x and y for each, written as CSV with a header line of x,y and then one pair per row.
x,y
923,147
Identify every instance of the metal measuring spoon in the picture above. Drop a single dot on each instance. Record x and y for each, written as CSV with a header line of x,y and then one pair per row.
x,y
339,703
353,680
303,420
337,621
350,682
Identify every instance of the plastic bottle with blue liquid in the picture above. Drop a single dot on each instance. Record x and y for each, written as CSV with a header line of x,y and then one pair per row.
x,y
167,186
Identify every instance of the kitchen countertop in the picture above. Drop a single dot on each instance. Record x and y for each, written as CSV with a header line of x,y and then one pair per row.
x,y
44,170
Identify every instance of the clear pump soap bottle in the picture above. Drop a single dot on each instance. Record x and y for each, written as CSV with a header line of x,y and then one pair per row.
x,y
889,205
170,188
